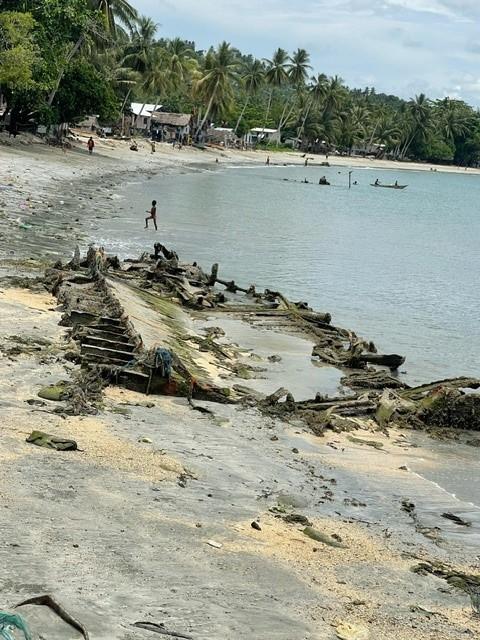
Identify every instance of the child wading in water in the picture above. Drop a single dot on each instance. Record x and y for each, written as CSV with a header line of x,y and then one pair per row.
x,y
152,216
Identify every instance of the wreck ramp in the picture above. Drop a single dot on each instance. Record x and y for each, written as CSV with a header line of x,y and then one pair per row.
x,y
162,323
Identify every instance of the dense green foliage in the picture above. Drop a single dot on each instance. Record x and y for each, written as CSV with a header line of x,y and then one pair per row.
x,y
63,59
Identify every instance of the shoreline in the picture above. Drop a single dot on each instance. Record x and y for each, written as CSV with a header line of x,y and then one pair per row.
x,y
45,192
239,466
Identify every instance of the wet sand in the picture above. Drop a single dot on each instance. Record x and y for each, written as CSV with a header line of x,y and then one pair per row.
x,y
119,531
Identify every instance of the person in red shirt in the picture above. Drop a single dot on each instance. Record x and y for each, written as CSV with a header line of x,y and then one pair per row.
x,y
90,145
153,215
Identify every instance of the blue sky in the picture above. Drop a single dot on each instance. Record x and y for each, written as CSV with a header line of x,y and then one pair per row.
x,y
399,46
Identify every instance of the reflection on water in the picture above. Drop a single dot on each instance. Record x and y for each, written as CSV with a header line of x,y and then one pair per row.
x,y
400,267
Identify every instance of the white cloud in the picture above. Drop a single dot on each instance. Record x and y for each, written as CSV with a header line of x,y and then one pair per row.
x,y
426,6
401,46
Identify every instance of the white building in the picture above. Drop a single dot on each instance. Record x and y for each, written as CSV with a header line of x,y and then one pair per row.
x,y
261,134
142,115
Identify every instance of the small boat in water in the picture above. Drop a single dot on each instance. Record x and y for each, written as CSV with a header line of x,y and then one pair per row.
x,y
389,186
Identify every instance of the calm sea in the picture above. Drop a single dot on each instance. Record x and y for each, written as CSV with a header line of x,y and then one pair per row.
x,y
399,267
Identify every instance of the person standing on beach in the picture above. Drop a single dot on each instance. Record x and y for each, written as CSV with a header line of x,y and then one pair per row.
x,y
268,161
90,145
153,215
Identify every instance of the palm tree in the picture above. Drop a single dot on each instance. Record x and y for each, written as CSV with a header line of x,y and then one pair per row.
x,y
453,120
115,12
215,85
351,126
155,77
317,93
349,132
141,43
252,78
298,69
334,94
112,11
418,114
276,75
179,61
387,131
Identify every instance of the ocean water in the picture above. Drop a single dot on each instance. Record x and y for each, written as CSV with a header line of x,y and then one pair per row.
x,y
399,267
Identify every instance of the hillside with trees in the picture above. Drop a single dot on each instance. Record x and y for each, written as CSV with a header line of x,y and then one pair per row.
x,y
61,60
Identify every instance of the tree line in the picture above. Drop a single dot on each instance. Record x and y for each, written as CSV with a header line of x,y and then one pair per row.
x,y
63,59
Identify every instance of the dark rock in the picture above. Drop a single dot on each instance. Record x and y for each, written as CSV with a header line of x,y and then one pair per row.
x,y
457,519
297,518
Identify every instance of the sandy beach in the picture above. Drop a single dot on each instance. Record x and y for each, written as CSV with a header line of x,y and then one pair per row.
x,y
151,519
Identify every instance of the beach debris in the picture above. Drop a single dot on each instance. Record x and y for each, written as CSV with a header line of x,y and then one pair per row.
x,y
160,629
415,608
41,439
319,536
371,378
474,593
55,392
256,526
200,409
274,358
353,502
408,506
367,443
455,577
351,631
276,396
403,468
51,603
457,519
214,544
145,440
297,518
9,622
33,402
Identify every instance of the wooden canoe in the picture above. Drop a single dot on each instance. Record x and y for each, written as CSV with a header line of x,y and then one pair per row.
x,y
390,186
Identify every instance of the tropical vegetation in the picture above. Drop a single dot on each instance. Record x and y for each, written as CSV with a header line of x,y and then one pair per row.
x,y
63,59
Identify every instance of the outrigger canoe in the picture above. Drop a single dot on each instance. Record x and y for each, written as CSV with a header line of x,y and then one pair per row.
x,y
390,186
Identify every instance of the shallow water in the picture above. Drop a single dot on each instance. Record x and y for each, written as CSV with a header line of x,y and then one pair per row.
x,y
399,267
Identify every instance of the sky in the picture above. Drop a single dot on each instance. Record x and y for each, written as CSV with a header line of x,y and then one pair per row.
x,y
403,47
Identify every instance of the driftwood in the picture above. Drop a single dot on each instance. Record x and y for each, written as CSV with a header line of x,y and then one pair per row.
x,y
52,604
416,393
157,628
372,379
392,361
231,286
454,577
275,397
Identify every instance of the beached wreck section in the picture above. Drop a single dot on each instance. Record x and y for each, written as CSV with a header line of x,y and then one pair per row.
x,y
107,344
117,340
445,404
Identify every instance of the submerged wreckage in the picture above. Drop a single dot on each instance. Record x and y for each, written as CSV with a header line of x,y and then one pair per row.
x,y
108,344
